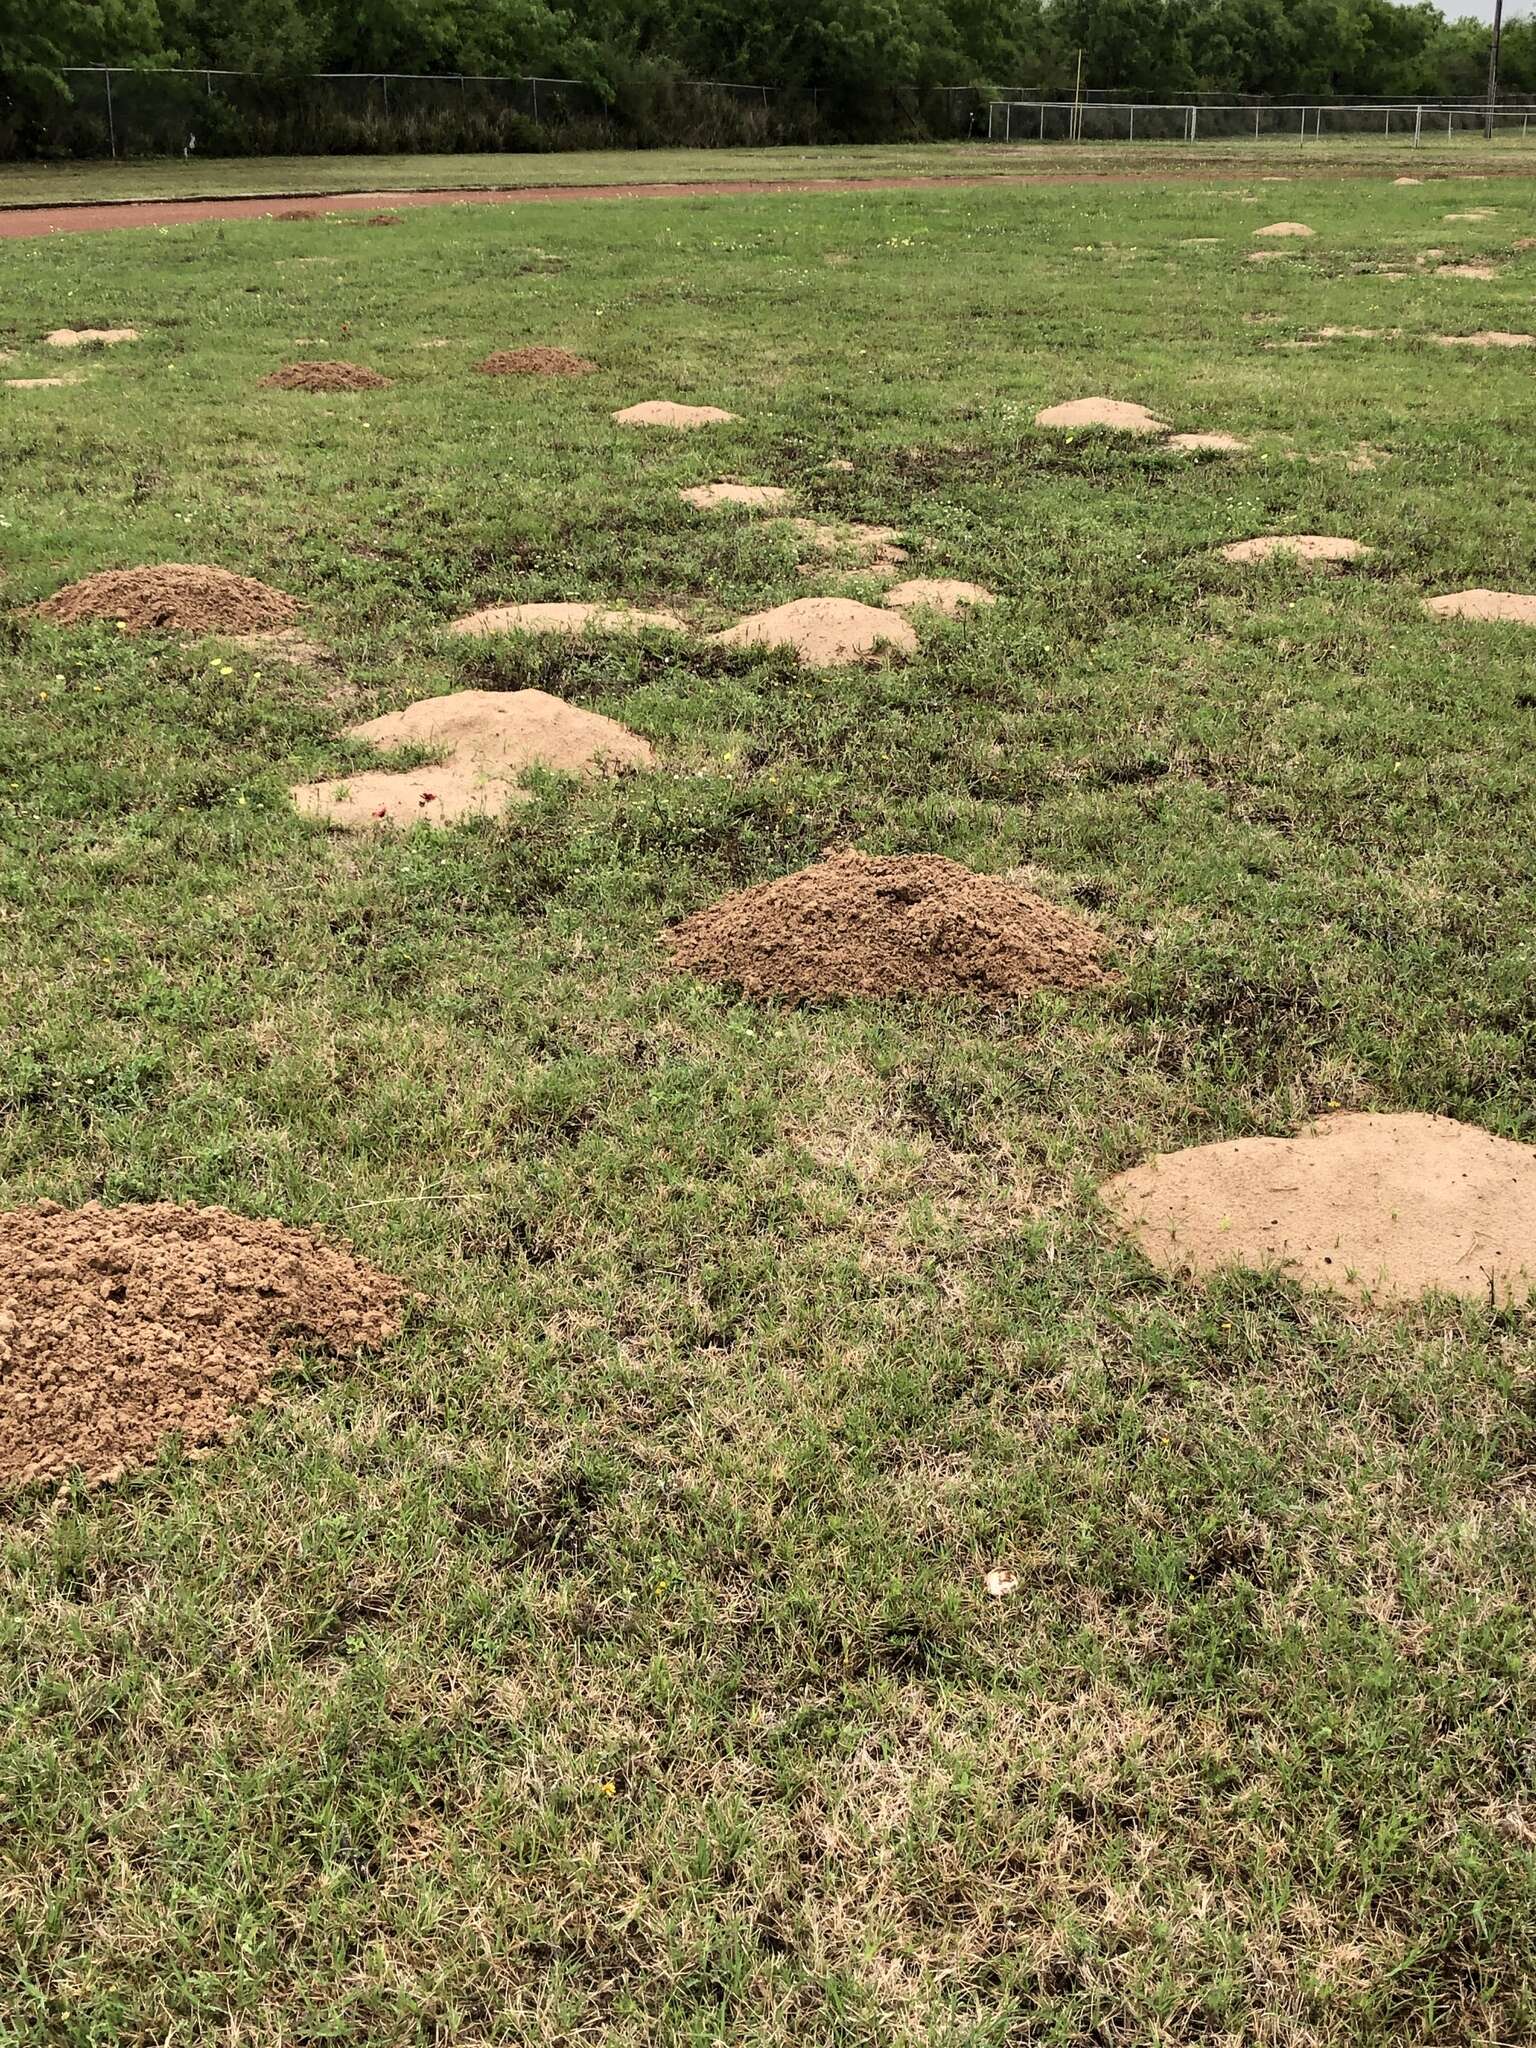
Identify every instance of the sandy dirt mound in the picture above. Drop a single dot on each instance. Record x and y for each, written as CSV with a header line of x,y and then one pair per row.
x,y
1506,605
1217,444
39,383
755,497
661,412
1490,337
1477,213
182,597
1352,333
563,618
285,643
1286,231
120,1328
489,740
1382,1205
872,544
324,377
1300,547
1474,273
1407,181
1113,413
79,337
1266,256
824,631
914,924
944,594
535,362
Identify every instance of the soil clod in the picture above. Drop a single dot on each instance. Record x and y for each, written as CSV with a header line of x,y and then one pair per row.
x,y
174,597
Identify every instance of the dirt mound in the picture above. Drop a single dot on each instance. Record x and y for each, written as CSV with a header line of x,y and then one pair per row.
x,y
120,1328
1286,231
297,213
80,337
1301,547
563,618
1407,181
534,362
824,631
1490,337
1381,1205
283,643
913,924
944,594
489,739
38,383
182,597
874,545
1475,273
1507,605
756,497
661,412
383,220
1477,213
1113,413
1216,444
324,377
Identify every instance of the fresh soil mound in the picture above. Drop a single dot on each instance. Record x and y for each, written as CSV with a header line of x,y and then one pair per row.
x,y
944,594
563,618
183,597
1474,273
79,337
383,220
1215,444
1113,413
1407,181
1301,547
534,362
489,739
1286,231
1507,605
913,924
755,497
38,383
871,544
120,1328
1369,1205
661,412
1490,337
824,631
324,377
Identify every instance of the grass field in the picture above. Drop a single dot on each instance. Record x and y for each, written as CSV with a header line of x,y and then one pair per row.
x,y
609,1661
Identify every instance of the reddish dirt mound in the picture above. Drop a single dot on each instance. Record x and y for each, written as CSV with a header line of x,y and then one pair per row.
x,y
1379,1205
383,220
911,924
1510,606
181,597
324,377
120,1328
534,362
824,631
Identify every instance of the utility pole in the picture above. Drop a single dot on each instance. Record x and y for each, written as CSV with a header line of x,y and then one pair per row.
x,y
1493,67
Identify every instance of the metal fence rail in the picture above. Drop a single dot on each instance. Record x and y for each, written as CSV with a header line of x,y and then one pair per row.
x,y
1098,120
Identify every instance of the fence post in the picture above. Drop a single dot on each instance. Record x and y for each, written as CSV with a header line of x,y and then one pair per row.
x,y
535,84
1303,126
1133,123
384,81
1418,120
1450,117
1194,123
1042,123
1255,124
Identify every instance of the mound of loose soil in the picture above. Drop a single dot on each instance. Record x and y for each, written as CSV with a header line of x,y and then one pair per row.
x,y
1216,444
534,362
661,412
120,1328
944,594
1381,1205
38,383
1474,273
1301,547
1286,230
755,497
78,337
1490,337
383,220
283,643
824,631
1507,605
914,924
1113,413
489,740
873,544
184,597
1407,181
324,377
1477,213
563,618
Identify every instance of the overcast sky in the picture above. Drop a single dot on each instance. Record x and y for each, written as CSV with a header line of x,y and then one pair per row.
x,y
1457,10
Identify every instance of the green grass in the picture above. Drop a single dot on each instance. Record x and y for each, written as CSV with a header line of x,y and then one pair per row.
x,y
70,183
609,1661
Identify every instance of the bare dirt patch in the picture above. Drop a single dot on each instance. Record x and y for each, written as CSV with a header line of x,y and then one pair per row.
x,y
1492,606
122,1328
661,412
180,597
1387,1206
83,337
284,643
944,594
1473,273
1112,413
1215,444
1286,231
324,377
753,497
383,220
854,924
535,362
1300,547
853,539
563,618
1488,337
488,741
1476,213
825,632
1407,181
39,383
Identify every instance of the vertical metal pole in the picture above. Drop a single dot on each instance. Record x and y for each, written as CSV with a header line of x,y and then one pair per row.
x,y
1042,120
1077,102
1418,122
1303,125
535,83
1194,123
1450,117
1493,67
1133,126
1255,124
384,81
111,121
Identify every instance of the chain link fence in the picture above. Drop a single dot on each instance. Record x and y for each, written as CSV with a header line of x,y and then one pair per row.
x,y
1096,119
